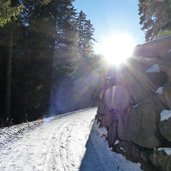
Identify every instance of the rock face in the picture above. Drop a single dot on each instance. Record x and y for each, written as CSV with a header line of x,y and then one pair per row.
x,y
131,108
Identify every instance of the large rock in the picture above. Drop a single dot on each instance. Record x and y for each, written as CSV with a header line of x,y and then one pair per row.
x,y
139,87
130,81
144,51
157,79
167,93
117,97
106,118
165,129
140,64
130,150
156,49
112,134
141,127
165,64
161,160
130,106
169,73
122,128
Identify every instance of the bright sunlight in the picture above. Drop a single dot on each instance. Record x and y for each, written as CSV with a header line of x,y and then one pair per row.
x,y
117,48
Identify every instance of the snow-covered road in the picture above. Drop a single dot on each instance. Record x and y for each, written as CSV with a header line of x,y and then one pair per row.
x,y
61,144
58,144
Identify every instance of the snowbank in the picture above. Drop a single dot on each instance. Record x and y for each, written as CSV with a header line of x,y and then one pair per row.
x,y
113,160
167,150
101,131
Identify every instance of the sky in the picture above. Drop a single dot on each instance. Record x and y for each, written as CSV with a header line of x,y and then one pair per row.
x,y
112,16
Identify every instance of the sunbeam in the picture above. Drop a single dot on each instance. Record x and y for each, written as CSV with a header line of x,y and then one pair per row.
x,y
116,48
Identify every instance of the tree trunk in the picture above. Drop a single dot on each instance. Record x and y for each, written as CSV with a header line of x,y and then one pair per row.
x,y
9,77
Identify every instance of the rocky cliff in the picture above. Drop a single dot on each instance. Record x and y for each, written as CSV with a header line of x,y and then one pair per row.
x,y
135,107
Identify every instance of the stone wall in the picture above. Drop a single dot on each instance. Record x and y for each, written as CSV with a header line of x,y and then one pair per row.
x,y
133,103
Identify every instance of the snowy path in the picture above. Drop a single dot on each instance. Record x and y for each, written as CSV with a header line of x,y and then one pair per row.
x,y
59,144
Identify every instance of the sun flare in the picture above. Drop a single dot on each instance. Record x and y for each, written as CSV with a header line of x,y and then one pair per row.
x,y
117,48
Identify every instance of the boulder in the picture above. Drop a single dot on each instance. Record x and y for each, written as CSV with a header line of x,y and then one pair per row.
x,y
101,105
117,97
141,127
166,60
129,150
140,91
167,93
157,79
122,129
139,123
165,129
106,118
144,51
169,74
112,134
140,64
161,160
158,48
132,102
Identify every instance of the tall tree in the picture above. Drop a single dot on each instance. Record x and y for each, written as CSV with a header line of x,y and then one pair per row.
x,y
21,21
85,35
43,45
154,15
13,9
8,11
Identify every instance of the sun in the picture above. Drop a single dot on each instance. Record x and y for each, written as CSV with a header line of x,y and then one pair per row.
x,y
117,48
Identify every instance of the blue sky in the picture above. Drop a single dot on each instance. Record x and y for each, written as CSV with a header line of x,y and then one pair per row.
x,y
110,16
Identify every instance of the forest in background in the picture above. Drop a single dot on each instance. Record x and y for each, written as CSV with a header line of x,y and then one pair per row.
x,y
47,63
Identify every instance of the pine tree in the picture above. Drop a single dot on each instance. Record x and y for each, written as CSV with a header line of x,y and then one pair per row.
x,y
8,12
154,15
12,11
85,35
40,49
23,50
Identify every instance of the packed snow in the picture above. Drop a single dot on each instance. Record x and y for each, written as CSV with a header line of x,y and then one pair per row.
x,y
13,133
101,131
159,90
65,143
167,150
154,68
165,115
111,160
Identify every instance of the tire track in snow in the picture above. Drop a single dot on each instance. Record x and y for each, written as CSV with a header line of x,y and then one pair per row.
x,y
77,138
57,145
53,159
65,158
31,145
